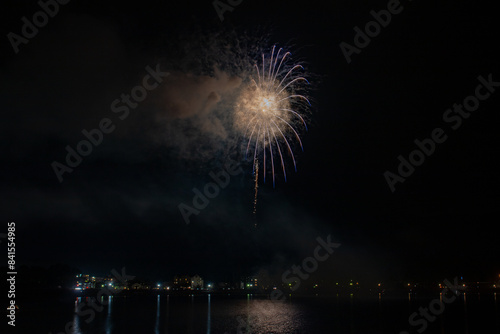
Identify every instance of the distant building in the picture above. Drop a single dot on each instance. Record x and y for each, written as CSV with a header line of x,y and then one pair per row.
x,y
182,282
84,282
109,282
197,283
165,285
224,286
140,285
251,283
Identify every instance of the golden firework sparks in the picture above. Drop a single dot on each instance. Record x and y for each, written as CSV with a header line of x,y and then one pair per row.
x,y
269,109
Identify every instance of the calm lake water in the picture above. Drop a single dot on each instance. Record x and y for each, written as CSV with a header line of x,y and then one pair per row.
x,y
213,314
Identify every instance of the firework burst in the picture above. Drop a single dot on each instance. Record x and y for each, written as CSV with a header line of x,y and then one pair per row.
x,y
270,111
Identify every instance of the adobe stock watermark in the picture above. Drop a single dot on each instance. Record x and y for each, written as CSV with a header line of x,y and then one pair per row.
x,y
96,304
436,307
120,106
372,29
29,30
221,7
453,117
210,190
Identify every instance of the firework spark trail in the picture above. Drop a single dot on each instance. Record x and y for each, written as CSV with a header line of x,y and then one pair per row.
x,y
256,190
269,109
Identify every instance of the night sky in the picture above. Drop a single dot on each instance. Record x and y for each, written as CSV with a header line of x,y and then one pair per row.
x,y
119,207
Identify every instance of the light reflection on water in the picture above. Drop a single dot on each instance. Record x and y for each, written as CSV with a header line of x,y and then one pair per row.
x,y
464,300
264,316
215,314
109,324
76,318
257,316
208,314
157,323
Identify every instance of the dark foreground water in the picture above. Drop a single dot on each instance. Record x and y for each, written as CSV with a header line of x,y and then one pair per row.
x,y
212,314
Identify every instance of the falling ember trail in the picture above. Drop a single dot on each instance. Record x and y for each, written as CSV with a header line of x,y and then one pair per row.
x,y
256,190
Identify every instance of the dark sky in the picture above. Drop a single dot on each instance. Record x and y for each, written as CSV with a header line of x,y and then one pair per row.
x,y
119,207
